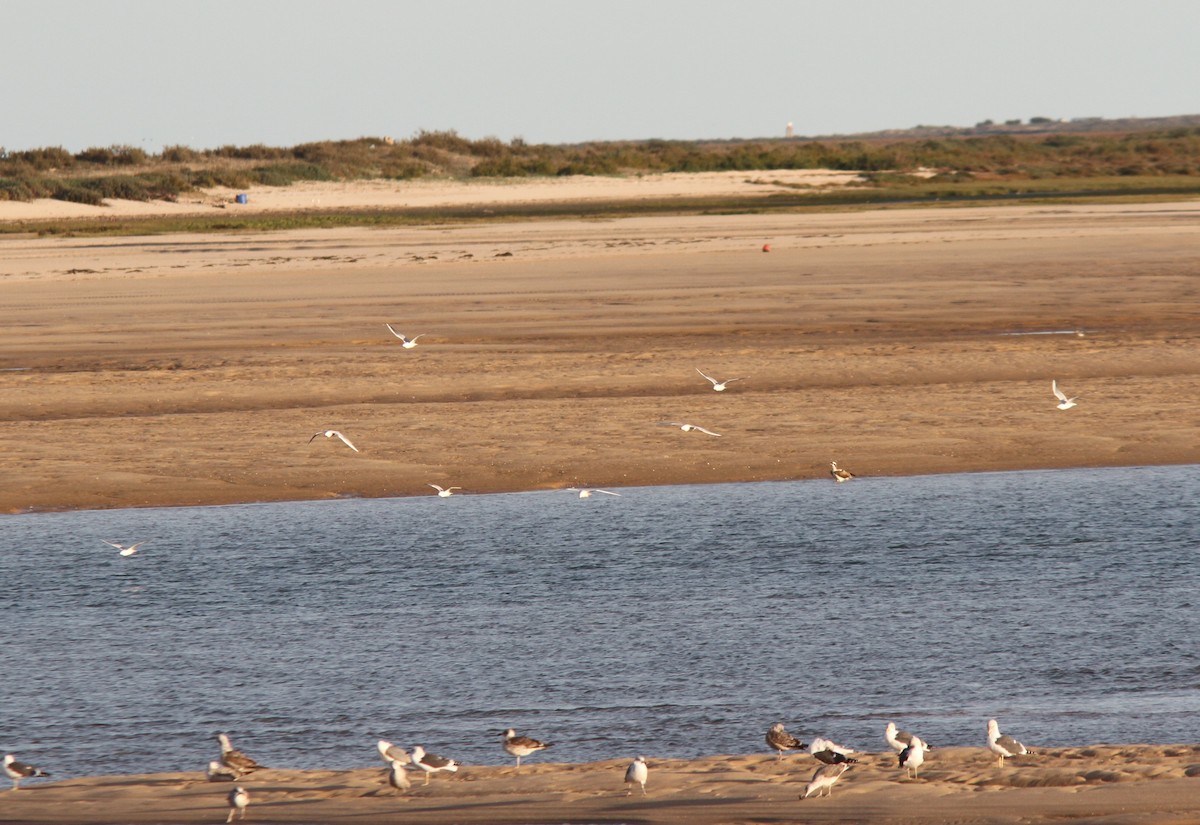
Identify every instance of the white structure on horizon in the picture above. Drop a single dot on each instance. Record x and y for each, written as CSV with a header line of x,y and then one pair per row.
x,y
790,132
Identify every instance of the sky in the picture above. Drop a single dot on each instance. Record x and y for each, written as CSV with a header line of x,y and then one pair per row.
x,y
210,73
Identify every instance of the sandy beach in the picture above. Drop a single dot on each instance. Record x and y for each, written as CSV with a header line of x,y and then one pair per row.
x,y
1104,783
195,369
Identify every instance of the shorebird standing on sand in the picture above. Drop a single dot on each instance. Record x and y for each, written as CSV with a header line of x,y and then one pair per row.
x,y
913,756
830,752
824,780
900,739
238,800
398,776
432,763
408,343
780,740
1064,403
520,746
233,758
839,475
719,386
1003,746
392,753
335,434
216,772
637,773
19,770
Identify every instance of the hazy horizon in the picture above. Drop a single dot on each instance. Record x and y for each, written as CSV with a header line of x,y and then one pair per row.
x,y
148,74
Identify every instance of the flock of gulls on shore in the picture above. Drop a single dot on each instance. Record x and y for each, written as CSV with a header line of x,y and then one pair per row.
x,y
232,765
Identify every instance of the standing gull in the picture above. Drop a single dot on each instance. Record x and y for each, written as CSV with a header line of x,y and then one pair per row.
x,y
637,773
432,763
824,780
719,386
444,492
780,740
408,343
398,776
19,770
332,434
829,752
391,753
586,492
839,475
125,550
233,758
216,772
520,746
913,756
687,428
1064,403
900,739
238,800
1003,746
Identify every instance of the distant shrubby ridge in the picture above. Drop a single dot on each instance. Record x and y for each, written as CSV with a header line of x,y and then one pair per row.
x,y
1042,148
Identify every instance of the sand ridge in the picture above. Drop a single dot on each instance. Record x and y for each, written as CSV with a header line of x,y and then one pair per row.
x,y
193,369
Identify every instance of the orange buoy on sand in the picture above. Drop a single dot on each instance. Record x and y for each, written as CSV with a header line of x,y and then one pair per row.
x,y
766,247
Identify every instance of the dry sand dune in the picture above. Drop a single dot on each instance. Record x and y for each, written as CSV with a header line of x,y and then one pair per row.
x,y
1111,784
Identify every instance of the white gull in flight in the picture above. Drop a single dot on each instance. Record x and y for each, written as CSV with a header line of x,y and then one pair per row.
x,y
687,428
444,492
408,343
1064,403
334,434
586,492
125,550
719,386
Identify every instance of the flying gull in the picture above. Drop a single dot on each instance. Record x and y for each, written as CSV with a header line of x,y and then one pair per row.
x,y
839,475
586,492
432,763
1003,746
238,800
913,756
125,550
719,386
824,779
233,758
520,746
780,740
333,433
445,492
19,770
637,772
216,772
408,343
1064,403
687,428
